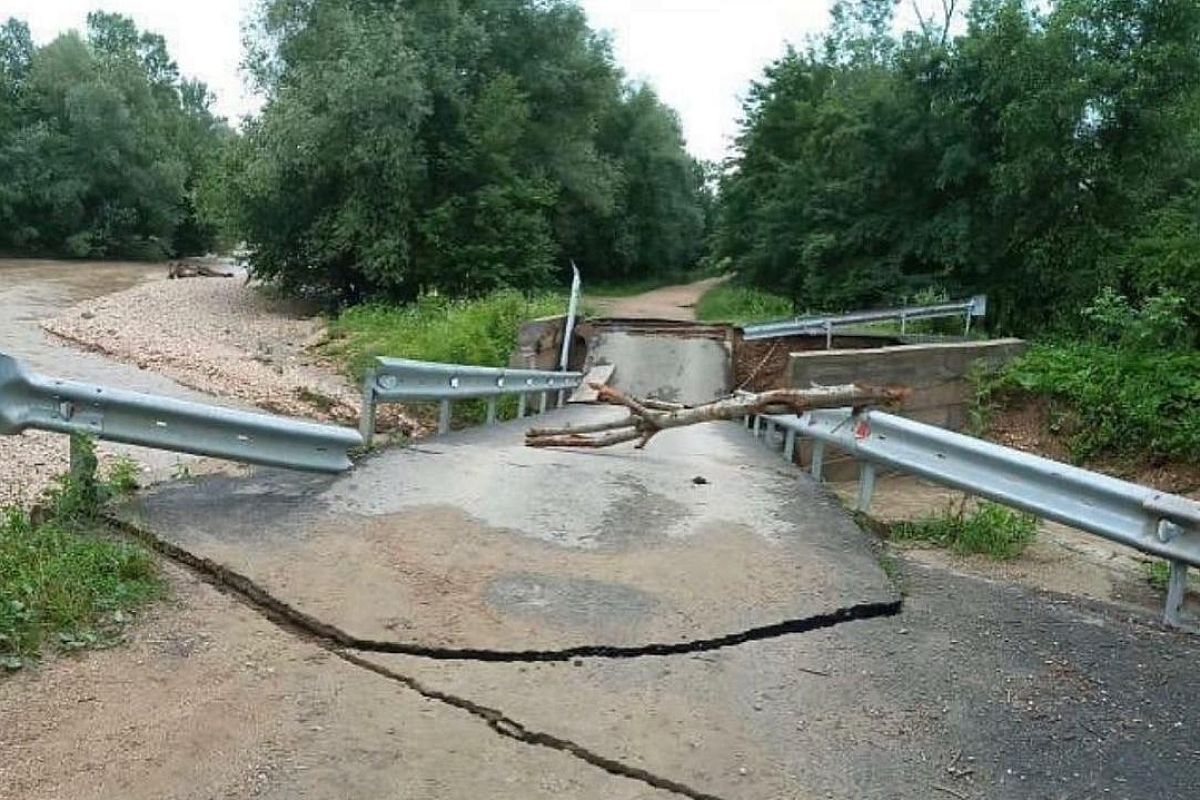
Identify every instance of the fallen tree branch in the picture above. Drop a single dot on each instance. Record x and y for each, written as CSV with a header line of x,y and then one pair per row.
x,y
644,421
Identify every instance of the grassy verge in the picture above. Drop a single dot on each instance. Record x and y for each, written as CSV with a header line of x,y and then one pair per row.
x,y
481,332
989,529
64,584
741,305
1114,400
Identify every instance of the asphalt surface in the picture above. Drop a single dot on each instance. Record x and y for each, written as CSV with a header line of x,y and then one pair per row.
x,y
475,541
975,690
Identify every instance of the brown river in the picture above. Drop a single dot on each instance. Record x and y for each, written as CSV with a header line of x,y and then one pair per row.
x,y
32,291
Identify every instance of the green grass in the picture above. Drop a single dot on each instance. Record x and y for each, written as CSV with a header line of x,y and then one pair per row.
x,y
990,529
741,305
64,583
1157,574
481,332
1115,400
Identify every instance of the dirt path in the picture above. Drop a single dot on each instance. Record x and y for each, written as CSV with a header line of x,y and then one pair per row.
x,y
669,302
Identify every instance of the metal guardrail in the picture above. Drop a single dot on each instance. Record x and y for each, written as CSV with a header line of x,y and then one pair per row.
x,y
28,400
968,309
394,380
1153,522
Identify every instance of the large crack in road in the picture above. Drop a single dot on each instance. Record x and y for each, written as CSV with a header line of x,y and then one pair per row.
x,y
350,648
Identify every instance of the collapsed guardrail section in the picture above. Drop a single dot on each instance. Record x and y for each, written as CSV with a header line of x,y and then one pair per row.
x,y
967,309
1151,521
397,380
31,401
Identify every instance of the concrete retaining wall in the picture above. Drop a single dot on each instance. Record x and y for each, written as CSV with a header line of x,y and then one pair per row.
x,y
936,373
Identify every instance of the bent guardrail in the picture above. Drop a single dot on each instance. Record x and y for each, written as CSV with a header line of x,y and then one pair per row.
x,y
396,380
1153,522
968,309
28,400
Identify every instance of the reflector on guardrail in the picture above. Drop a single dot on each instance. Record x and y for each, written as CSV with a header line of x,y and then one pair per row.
x,y
28,400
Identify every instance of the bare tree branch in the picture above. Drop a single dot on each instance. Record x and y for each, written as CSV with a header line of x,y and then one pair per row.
x,y
948,10
643,422
924,23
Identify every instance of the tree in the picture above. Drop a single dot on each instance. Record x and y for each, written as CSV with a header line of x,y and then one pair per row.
x,y
451,146
99,144
1022,158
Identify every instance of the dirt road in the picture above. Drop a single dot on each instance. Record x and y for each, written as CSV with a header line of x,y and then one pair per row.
x,y
669,302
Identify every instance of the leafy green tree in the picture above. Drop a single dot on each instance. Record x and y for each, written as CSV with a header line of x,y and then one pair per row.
x,y
452,146
98,144
1038,157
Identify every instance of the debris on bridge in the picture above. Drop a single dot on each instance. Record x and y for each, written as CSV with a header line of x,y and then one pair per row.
x,y
649,417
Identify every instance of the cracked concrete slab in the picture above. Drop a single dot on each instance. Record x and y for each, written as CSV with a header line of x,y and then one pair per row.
x,y
978,690
210,700
475,541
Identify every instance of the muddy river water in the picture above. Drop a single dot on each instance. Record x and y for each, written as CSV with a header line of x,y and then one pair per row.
x,y
32,291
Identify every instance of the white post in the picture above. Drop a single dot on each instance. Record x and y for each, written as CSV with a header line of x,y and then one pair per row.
x,y
569,328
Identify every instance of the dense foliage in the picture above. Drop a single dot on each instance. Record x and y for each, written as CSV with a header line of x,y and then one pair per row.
x,y
452,145
1129,387
101,144
1039,156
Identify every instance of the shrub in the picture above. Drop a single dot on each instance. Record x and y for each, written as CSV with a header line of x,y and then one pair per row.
x,y
1131,402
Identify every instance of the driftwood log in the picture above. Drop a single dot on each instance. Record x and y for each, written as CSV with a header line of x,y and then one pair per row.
x,y
650,417
180,269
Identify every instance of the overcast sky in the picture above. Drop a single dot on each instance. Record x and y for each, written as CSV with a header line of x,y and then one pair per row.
x,y
699,54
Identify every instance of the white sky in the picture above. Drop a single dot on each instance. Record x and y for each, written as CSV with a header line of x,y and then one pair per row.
x,y
700,55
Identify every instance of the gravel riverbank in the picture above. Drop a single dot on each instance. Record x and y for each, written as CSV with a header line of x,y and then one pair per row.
x,y
218,336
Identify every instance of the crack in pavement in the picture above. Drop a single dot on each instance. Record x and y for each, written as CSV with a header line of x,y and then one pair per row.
x,y
349,648
509,728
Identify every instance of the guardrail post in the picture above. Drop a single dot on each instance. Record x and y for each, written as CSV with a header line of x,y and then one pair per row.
x,y
757,426
818,459
866,486
366,417
789,446
1176,590
828,335
444,416
903,323
769,439
521,401
491,411
542,400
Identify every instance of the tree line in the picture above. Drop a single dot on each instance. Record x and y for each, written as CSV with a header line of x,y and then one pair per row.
x,y
1036,152
1039,156
454,146
102,145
